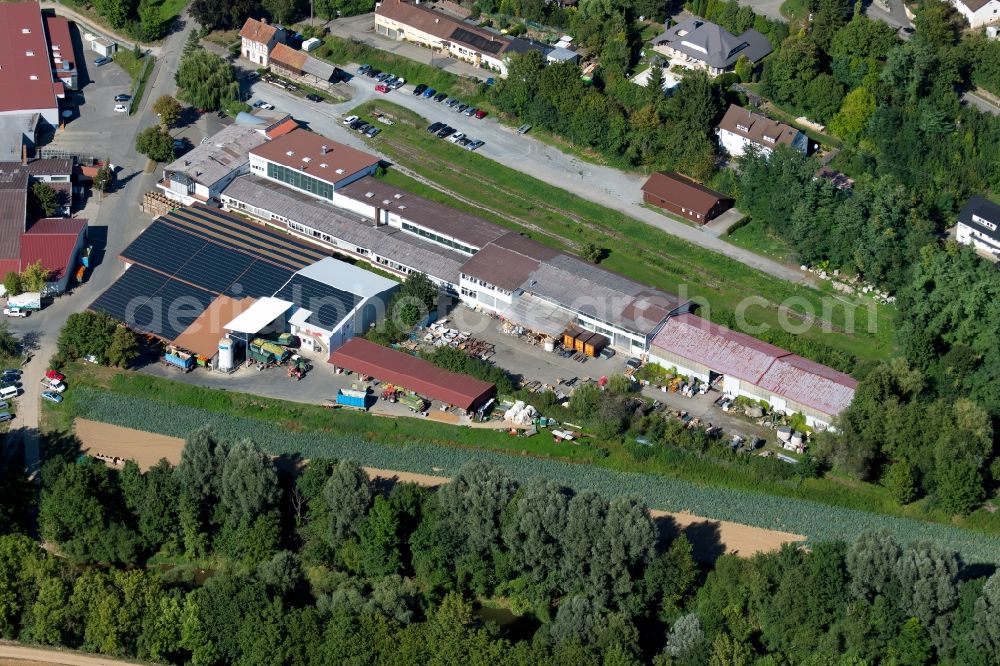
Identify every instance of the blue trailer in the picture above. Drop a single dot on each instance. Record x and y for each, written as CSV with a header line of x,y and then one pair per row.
x,y
177,358
352,398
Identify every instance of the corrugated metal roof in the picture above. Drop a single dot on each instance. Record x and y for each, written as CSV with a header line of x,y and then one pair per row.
x,y
58,225
13,206
53,242
426,379
717,347
260,314
26,74
809,383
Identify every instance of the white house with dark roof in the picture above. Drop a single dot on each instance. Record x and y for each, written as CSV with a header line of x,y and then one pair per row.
x,y
978,224
741,128
978,12
710,46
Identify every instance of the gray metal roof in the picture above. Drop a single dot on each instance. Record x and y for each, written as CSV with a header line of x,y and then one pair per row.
x,y
318,68
14,128
226,151
347,277
350,227
710,43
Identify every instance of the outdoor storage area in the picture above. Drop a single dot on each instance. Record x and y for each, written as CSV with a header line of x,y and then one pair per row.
x,y
402,369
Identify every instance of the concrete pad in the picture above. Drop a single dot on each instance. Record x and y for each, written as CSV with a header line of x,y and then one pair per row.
x,y
721,225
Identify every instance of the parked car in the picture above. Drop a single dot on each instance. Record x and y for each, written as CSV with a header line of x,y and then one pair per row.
x,y
55,374
470,111
349,119
607,353
481,113
313,97
261,104
363,127
451,102
440,97
430,92
491,81
455,137
446,132
384,76
5,416
398,83
15,312
433,128
4,404
52,396
633,363
419,90
364,69
55,385
461,107
122,97
464,142
100,62
475,145
10,376
382,88
121,108
523,129
372,131
356,123
372,73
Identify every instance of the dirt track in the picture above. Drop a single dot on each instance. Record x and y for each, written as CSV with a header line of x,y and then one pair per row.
x,y
12,654
709,537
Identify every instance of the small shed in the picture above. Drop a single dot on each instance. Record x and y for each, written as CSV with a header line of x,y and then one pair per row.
x,y
569,336
104,47
582,340
595,344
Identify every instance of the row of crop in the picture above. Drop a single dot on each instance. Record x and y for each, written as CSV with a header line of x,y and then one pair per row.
x,y
816,521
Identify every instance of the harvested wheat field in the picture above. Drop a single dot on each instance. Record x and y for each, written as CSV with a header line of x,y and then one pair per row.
x,y
711,538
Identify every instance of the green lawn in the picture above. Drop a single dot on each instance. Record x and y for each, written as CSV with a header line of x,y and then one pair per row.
x,y
139,69
171,9
754,237
665,477
796,11
560,219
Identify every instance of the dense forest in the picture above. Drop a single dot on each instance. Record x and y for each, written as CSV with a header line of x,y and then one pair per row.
x,y
227,559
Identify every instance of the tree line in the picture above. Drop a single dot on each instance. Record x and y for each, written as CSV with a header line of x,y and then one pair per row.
x,y
328,566
140,19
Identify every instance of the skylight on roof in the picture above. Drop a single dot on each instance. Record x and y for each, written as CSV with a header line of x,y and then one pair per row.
x,y
25,31
29,53
307,159
290,153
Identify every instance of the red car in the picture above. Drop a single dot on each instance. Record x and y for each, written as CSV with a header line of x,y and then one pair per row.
x,y
382,88
55,374
480,114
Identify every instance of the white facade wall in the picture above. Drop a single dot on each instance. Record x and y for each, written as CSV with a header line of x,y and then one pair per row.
x,y
736,144
393,29
256,52
988,13
974,237
51,116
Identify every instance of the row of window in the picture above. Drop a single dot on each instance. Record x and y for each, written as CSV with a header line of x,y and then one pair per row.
x,y
300,181
484,283
440,240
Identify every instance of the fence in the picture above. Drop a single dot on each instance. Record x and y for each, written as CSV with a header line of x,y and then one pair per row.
x,y
139,85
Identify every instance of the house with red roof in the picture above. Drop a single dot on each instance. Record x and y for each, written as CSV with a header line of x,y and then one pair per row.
x,y
258,38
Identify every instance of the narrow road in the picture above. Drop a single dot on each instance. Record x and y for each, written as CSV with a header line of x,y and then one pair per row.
x,y
119,218
609,187
980,102
60,657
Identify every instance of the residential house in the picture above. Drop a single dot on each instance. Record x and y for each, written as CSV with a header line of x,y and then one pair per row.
x,y
709,46
741,128
685,197
258,38
977,225
412,22
978,12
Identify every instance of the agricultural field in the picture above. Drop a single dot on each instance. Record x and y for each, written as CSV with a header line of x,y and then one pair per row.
x,y
469,181
297,430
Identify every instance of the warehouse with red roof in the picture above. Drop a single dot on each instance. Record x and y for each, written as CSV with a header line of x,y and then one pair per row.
x,y
26,62
748,367
401,369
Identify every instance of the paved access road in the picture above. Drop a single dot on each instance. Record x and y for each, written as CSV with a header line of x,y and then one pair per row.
x,y
603,185
114,222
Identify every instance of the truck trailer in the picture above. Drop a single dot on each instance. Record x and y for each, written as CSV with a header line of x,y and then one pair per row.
x,y
180,359
352,398
30,300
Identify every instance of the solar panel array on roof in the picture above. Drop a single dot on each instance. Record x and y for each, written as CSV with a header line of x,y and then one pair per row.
x,y
484,44
153,303
328,304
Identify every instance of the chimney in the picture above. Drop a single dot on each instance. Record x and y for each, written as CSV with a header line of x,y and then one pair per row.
x,y
24,154
264,21
377,213
323,149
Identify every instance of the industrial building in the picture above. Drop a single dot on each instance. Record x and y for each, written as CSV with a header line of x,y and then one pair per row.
x,y
29,63
196,275
310,163
407,371
748,367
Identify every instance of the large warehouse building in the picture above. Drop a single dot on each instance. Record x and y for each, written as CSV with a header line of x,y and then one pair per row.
x,y
195,271
28,64
750,368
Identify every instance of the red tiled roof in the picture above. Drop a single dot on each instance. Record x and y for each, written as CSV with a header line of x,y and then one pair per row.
x,y
717,347
284,127
26,80
258,31
367,358
809,383
52,241
285,55
58,225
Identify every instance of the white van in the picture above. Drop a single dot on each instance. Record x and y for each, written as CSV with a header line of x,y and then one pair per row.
x,y
8,392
